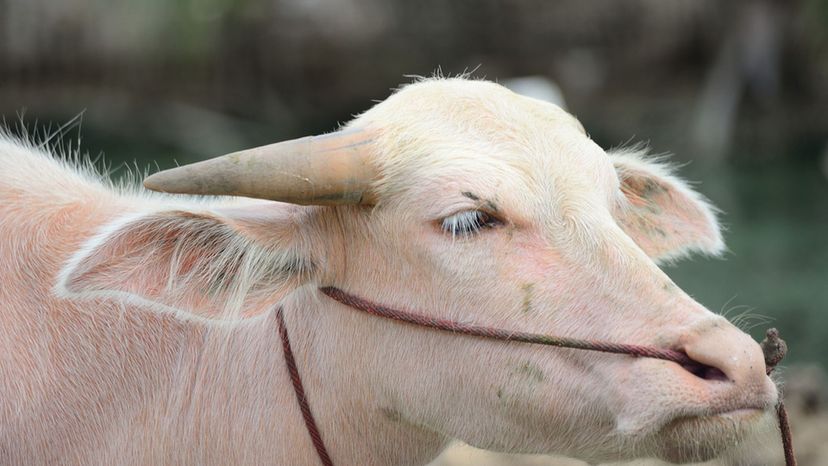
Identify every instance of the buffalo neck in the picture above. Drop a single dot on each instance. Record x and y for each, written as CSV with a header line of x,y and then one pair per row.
x,y
228,393
358,422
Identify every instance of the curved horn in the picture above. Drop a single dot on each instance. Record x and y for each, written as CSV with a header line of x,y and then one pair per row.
x,y
332,169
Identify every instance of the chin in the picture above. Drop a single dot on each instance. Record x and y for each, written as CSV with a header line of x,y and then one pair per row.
x,y
701,438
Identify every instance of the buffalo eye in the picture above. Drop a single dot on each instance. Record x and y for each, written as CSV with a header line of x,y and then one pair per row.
x,y
469,222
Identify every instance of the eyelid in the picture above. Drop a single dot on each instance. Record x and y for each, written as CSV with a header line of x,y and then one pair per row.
x,y
453,208
469,207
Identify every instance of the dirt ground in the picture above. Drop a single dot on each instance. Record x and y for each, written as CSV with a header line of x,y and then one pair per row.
x,y
806,397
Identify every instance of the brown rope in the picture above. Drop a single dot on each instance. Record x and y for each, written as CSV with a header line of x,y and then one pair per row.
x,y
299,390
774,349
504,335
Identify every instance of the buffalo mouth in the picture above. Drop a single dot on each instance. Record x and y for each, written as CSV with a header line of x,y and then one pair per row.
x,y
702,437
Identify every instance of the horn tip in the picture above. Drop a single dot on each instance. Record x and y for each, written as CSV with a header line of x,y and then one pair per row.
x,y
154,183
151,183
164,182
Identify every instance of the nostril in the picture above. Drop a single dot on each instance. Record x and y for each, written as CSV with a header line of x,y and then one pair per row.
x,y
703,371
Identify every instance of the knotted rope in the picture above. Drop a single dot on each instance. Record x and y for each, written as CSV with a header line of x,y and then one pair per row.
x,y
775,349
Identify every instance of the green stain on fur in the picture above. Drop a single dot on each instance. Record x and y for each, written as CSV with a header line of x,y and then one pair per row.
x,y
392,414
531,372
528,289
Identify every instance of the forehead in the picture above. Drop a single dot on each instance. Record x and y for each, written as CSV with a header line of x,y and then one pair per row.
x,y
461,105
450,134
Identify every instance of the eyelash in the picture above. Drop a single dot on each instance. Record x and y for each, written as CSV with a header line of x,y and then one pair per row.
x,y
468,222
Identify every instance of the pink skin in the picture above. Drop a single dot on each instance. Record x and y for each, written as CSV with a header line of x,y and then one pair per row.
x,y
118,369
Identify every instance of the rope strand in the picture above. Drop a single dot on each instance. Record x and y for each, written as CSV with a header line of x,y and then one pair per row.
x,y
504,335
299,391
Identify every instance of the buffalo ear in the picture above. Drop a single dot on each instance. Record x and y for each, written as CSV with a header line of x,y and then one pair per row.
x,y
195,264
661,213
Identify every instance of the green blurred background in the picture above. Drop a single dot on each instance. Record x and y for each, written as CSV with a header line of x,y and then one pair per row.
x,y
738,90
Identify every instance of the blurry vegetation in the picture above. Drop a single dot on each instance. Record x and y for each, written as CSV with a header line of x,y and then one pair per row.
x,y
739,89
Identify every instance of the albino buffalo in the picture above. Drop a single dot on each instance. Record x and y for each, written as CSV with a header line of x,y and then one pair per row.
x,y
140,328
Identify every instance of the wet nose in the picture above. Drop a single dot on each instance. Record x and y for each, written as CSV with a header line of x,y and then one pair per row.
x,y
725,353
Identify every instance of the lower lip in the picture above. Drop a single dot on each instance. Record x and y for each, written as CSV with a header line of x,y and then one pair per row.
x,y
743,413
722,429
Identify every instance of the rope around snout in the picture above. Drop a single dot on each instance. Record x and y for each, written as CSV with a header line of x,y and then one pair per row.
x,y
773,347
504,335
